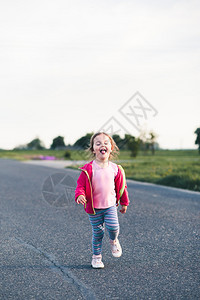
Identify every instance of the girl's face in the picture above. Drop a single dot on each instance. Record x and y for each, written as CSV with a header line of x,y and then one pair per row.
x,y
102,147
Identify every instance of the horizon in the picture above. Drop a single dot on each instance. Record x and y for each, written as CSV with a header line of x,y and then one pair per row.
x,y
17,148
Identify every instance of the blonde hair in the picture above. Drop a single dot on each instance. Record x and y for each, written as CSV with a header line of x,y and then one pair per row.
x,y
114,148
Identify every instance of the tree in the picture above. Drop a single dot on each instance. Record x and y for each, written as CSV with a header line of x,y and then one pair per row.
x,y
144,144
197,141
148,141
133,144
84,141
118,140
152,141
21,147
58,142
36,144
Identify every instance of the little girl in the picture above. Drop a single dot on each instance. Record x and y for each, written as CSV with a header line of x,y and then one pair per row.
x,y
100,187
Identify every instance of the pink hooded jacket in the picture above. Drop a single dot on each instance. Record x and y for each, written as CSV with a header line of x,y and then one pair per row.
x,y
84,187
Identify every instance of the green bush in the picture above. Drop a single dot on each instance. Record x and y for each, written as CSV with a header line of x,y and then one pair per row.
x,y
67,154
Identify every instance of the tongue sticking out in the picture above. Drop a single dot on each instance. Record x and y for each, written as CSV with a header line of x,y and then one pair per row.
x,y
103,151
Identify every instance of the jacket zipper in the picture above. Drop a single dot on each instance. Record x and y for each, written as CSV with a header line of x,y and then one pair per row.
x,y
123,182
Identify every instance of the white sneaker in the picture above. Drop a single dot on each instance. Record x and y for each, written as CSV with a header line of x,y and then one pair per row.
x,y
96,262
116,248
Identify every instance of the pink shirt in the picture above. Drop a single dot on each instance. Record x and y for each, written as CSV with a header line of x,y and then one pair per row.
x,y
103,185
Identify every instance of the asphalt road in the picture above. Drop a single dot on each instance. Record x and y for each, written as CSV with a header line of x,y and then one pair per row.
x,y
45,246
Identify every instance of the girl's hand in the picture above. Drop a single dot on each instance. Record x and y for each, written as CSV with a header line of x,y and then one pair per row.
x,y
81,199
123,209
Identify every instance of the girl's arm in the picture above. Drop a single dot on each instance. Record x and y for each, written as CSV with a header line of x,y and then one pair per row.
x,y
124,200
121,181
80,195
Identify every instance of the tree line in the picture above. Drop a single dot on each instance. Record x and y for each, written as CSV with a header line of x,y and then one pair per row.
x,y
145,142
129,142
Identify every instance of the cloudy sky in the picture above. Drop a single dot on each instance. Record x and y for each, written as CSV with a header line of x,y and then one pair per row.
x,y
71,67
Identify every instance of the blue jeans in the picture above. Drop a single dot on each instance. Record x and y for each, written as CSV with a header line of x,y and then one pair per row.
x,y
110,218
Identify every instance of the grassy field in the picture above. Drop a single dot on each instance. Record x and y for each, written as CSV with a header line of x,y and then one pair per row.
x,y
177,168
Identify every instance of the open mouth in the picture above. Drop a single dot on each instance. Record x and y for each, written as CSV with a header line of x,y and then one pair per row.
x,y
103,151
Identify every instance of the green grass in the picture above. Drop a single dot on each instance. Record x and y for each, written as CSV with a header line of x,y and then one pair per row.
x,y
178,171
177,168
